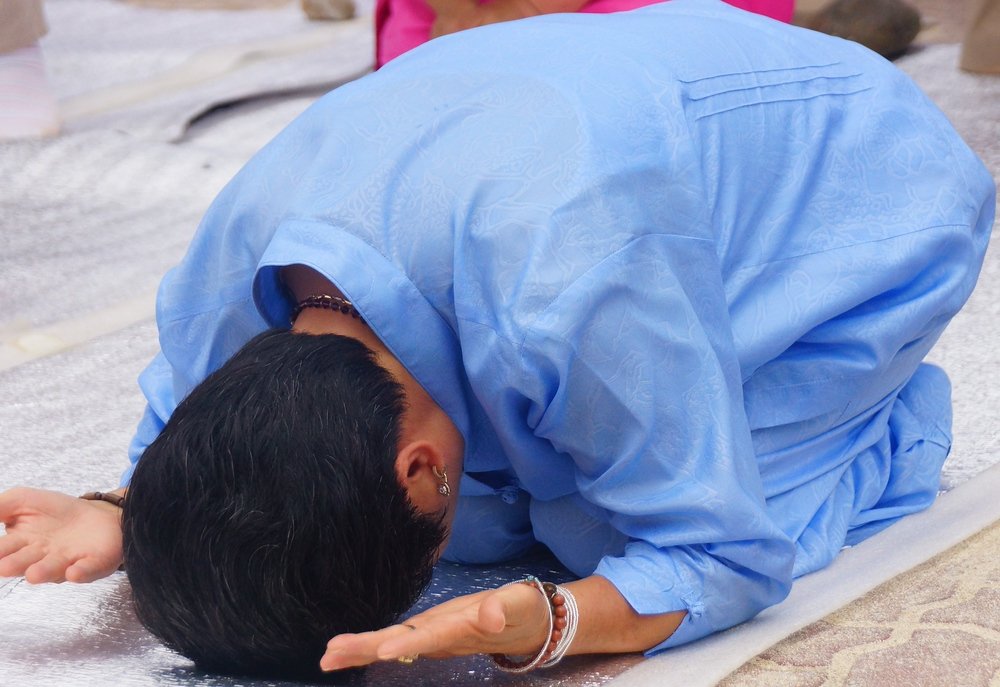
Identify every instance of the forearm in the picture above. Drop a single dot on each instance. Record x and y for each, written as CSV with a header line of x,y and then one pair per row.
x,y
608,624
511,620
508,10
457,15
445,7
549,6
523,8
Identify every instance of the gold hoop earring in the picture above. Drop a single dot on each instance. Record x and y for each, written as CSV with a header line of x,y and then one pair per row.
x,y
442,474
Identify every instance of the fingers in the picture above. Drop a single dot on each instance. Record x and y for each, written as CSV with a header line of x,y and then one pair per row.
x,y
344,651
51,568
9,544
466,625
16,563
354,650
11,501
418,640
87,570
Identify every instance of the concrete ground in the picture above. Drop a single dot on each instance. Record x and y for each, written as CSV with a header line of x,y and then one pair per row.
x,y
161,107
938,624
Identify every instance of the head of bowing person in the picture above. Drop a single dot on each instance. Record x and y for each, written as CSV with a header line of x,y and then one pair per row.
x,y
301,491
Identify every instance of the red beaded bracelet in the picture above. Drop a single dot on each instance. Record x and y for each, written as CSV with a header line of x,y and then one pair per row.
x,y
562,628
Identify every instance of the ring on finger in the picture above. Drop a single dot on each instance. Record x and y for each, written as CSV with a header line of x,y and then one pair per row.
x,y
407,660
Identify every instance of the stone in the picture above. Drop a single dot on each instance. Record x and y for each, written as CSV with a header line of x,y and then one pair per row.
x,y
328,10
885,26
981,47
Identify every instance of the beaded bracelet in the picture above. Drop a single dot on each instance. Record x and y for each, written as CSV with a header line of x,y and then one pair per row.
x,y
567,633
326,302
563,620
107,497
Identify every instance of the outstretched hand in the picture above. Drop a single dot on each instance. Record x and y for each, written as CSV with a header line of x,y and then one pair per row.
x,y
510,620
53,537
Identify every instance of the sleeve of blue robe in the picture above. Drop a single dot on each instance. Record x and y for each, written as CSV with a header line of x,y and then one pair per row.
x,y
641,387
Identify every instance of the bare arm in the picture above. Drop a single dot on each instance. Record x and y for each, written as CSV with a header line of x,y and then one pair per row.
x,y
457,15
611,625
510,620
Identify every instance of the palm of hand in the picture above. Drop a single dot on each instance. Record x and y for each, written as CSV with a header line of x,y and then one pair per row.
x,y
53,537
505,620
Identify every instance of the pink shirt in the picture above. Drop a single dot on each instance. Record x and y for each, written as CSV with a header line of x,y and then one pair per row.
x,y
401,25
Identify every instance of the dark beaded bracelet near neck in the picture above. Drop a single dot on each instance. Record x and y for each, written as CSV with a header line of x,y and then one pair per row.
x,y
326,302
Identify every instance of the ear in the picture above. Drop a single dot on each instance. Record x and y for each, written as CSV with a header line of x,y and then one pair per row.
x,y
415,464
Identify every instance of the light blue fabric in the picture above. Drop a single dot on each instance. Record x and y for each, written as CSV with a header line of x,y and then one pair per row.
x,y
671,272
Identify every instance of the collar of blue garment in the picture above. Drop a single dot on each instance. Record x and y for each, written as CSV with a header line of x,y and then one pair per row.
x,y
390,303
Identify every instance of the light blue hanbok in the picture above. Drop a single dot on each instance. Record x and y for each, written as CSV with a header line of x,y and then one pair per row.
x,y
671,272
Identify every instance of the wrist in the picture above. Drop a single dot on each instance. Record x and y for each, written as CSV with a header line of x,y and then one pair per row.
x,y
560,621
110,501
539,631
104,506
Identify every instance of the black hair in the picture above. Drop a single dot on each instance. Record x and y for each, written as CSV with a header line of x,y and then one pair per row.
x,y
267,516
